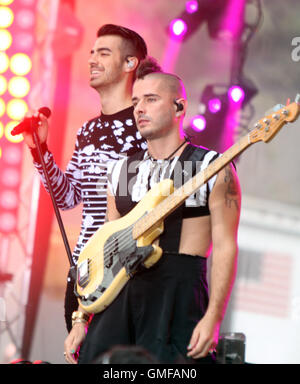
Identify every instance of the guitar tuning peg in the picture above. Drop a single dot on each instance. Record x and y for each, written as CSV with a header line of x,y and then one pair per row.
x,y
297,98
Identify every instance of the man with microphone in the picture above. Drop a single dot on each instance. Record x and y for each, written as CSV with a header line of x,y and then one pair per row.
x,y
112,135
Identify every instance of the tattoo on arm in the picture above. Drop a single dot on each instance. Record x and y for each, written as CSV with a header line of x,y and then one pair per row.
x,y
231,193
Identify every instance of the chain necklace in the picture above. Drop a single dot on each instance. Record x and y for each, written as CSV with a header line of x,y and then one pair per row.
x,y
158,166
148,156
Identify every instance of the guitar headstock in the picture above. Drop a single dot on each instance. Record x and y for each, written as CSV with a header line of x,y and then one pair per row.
x,y
266,128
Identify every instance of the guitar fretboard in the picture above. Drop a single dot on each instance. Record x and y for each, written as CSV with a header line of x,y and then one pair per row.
x,y
168,205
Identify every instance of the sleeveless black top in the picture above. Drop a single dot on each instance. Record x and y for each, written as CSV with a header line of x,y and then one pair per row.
x,y
130,179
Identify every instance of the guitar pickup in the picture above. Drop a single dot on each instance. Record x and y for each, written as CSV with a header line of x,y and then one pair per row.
x,y
83,274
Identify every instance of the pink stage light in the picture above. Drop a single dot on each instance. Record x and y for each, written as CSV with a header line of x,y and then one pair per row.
x,y
236,94
8,222
191,6
9,199
198,123
10,177
214,105
12,155
178,28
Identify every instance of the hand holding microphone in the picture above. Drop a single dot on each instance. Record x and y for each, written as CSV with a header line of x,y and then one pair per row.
x,y
38,120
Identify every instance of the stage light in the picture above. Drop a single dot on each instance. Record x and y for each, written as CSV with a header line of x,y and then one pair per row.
x,y
214,98
191,6
198,123
236,94
5,39
3,85
4,62
178,28
194,15
6,2
25,18
16,109
6,17
12,154
9,199
10,177
2,107
28,3
23,41
18,86
16,45
8,222
20,64
8,128
214,105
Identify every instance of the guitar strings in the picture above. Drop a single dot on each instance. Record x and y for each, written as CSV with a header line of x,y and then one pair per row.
x,y
123,241
125,234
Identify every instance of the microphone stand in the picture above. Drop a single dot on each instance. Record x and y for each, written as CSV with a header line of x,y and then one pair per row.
x,y
37,143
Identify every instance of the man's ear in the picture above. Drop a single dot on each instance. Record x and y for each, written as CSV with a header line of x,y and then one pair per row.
x,y
131,63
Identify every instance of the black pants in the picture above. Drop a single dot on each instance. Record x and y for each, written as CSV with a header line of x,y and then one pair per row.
x,y
157,309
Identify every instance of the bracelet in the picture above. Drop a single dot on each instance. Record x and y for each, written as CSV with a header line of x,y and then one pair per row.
x,y
79,321
79,316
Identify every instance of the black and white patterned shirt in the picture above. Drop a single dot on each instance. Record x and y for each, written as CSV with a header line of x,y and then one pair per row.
x,y
146,172
99,141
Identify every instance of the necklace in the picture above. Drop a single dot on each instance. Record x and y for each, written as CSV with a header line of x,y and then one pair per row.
x,y
148,156
161,167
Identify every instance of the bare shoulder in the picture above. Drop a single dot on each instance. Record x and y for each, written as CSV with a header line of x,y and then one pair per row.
x,y
227,188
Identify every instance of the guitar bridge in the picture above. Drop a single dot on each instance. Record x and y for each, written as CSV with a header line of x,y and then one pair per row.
x,y
83,275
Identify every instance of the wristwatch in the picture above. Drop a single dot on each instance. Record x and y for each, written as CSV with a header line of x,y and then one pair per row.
x,y
80,317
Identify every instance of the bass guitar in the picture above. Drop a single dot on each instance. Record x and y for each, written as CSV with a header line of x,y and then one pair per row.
x,y
116,251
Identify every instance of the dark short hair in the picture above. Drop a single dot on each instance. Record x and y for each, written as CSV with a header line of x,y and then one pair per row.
x,y
147,66
135,46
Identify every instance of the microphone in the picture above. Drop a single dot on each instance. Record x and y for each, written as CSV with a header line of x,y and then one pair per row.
x,y
30,122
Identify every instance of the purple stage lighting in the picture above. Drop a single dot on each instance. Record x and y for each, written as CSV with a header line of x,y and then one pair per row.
x,y
191,6
236,94
198,123
214,105
178,28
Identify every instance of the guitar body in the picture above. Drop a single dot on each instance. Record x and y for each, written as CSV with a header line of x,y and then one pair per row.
x,y
102,272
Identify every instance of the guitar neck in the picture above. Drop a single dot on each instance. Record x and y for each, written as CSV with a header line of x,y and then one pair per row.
x,y
168,205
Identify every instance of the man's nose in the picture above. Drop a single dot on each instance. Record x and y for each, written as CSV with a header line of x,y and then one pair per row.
x,y
92,59
140,107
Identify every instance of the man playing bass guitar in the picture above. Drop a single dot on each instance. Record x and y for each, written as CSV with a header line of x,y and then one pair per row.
x,y
166,308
